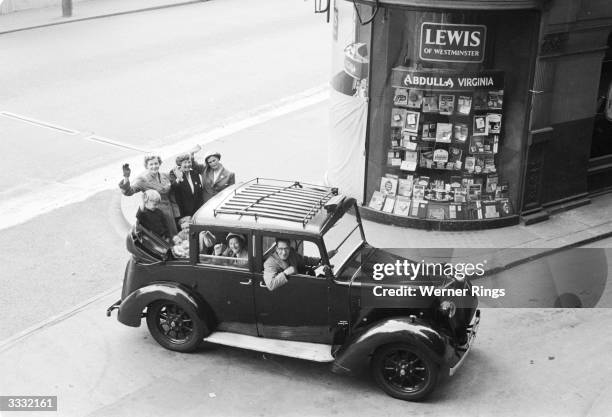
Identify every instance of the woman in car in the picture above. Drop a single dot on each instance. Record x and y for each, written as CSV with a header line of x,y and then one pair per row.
x,y
152,179
236,246
215,177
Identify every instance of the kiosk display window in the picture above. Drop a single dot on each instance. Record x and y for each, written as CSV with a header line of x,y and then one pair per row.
x,y
447,115
445,137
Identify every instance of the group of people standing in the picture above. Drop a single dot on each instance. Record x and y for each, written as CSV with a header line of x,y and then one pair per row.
x,y
171,196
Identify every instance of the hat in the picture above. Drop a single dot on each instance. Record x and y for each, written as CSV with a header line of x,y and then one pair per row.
x,y
211,153
231,235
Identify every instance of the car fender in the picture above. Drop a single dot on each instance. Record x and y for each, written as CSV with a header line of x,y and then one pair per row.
x,y
355,353
131,307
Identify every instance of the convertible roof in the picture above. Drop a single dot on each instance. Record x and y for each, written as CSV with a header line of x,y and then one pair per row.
x,y
269,204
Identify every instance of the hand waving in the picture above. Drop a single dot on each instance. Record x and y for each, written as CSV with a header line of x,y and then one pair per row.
x,y
126,170
197,148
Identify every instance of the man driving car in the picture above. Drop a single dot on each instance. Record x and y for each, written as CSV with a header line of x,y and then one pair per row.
x,y
283,263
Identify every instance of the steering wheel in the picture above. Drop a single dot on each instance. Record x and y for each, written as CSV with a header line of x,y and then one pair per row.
x,y
310,270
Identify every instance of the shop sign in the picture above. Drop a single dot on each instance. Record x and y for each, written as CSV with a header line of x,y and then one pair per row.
x,y
423,80
452,43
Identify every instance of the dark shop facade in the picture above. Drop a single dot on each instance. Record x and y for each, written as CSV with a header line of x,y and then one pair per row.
x,y
458,115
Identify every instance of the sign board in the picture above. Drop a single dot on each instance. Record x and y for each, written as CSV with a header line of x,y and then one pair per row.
x,y
452,42
445,81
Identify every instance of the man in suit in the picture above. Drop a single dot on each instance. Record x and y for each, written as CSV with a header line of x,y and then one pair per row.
x,y
283,263
187,186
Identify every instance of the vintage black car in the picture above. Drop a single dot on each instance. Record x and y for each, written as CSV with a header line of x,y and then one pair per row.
x,y
327,314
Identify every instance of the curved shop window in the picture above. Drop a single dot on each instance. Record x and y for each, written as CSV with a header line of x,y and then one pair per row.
x,y
447,118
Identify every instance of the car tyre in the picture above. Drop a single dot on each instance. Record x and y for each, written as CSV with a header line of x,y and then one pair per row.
x,y
404,371
175,325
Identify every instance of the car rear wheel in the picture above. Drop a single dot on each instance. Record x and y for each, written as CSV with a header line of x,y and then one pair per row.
x,y
175,325
404,371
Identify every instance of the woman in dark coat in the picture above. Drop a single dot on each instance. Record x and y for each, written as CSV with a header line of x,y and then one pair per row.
x,y
187,185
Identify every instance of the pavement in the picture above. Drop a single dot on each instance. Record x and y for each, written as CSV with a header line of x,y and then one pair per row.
x,y
83,10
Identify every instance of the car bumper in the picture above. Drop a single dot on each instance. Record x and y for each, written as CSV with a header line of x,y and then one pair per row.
x,y
115,306
465,349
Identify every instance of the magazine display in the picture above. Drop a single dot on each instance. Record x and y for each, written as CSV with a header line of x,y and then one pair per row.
x,y
412,121
389,204
444,150
388,186
447,104
401,97
377,201
430,104
415,99
402,206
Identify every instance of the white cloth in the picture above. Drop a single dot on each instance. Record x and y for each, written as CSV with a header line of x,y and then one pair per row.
x,y
216,174
189,180
346,147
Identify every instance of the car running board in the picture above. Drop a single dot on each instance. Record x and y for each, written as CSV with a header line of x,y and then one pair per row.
x,y
302,350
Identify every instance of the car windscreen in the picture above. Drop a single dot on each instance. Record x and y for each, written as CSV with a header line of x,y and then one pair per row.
x,y
344,237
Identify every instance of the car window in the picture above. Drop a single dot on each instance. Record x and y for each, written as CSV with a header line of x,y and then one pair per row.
x,y
224,248
306,249
268,245
226,261
310,249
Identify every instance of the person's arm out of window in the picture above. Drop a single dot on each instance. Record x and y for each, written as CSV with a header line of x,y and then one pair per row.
x,y
272,277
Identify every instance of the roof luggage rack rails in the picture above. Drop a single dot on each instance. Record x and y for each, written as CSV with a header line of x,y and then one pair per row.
x,y
263,201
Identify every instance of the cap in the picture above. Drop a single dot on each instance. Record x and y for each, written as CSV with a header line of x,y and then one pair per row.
x,y
231,235
211,153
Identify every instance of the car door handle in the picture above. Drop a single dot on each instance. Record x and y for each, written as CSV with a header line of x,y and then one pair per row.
x,y
262,284
248,282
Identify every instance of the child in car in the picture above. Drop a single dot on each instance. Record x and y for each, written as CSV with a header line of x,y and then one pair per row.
x,y
151,217
181,240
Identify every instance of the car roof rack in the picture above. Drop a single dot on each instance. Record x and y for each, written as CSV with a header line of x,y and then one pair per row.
x,y
277,199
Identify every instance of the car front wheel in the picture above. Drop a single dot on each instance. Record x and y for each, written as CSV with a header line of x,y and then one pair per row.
x,y
175,325
404,371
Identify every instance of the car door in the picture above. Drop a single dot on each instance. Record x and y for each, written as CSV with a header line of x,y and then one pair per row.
x,y
226,284
296,311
